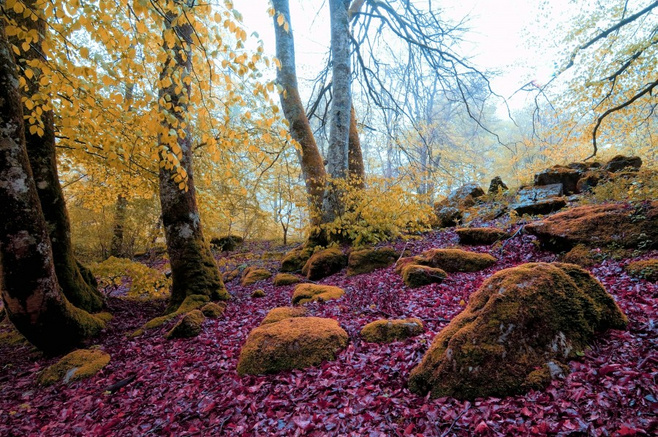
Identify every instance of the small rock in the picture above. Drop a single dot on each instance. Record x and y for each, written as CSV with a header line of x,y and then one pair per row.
x,y
497,185
251,275
386,331
213,310
312,292
189,326
79,364
286,279
415,275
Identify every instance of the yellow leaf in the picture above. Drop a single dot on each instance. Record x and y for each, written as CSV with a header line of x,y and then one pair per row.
x,y
84,52
280,19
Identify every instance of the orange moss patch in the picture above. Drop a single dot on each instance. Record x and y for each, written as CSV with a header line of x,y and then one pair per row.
x,y
286,279
481,236
251,275
324,263
213,310
521,319
369,260
190,325
415,275
600,226
280,313
295,260
311,292
647,269
386,331
79,364
293,343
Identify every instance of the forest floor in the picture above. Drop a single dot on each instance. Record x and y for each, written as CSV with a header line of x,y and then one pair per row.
x,y
190,386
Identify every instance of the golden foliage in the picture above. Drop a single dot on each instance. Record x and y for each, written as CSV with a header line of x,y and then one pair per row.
x,y
145,282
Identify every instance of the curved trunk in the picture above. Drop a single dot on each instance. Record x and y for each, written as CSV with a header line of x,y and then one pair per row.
x,y
355,165
30,290
77,283
300,129
193,267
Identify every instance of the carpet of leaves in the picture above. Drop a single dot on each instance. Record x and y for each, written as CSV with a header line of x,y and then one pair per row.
x,y
190,387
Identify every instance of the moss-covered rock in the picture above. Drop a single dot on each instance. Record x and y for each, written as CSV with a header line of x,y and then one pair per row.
x,y
581,255
258,293
324,263
519,328
280,313
295,260
228,243
369,260
212,310
481,236
619,225
620,162
292,343
560,174
286,279
190,303
450,210
79,364
312,292
647,269
190,325
450,260
386,331
591,179
415,275
251,275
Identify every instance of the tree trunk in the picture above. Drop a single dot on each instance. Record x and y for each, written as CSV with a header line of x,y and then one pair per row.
x,y
193,268
31,293
341,105
117,246
77,282
356,168
300,129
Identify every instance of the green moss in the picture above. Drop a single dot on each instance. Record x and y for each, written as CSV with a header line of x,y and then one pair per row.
x,y
369,260
286,279
190,303
292,343
188,326
519,320
415,275
258,293
311,292
386,331
251,275
213,310
79,364
280,313
647,269
324,263
295,260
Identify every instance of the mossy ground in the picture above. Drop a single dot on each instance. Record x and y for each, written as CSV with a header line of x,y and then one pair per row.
x,y
79,364
311,292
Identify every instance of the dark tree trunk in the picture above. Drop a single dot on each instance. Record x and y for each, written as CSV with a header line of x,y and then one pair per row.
x,y
356,168
78,284
30,290
116,248
193,267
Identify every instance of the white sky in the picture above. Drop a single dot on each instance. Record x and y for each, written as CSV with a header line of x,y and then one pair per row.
x,y
498,35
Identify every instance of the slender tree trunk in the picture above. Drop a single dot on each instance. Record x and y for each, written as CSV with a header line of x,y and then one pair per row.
x,y
117,246
341,105
29,284
300,129
356,168
193,268
77,282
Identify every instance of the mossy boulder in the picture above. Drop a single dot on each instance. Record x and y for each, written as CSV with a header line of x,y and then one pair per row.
x,y
258,293
446,216
450,260
560,174
190,325
620,162
295,260
481,236
280,313
292,343
646,269
79,364
369,260
324,263
517,332
286,279
212,310
450,210
312,292
251,275
617,225
581,255
591,179
386,331
415,275
190,303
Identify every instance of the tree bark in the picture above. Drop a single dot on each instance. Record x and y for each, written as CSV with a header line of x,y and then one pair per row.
x,y
77,282
356,168
116,247
193,268
29,284
300,129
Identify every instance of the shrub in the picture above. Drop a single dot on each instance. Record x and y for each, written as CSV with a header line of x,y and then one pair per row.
x,y
145,282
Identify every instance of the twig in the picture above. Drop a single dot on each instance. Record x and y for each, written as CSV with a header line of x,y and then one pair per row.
x,y
120,384
518,231
454,422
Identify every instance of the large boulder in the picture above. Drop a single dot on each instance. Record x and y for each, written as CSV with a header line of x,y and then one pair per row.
x,y
539,200
295,260
324,263
369,260
481,236
315,293
450,260
620,162
293,343
386,331
517,333
559,174
621,225
415,275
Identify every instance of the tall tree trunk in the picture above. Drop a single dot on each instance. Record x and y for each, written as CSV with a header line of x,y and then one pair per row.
x,y
117,246
356,168
341,105
29,284
77,282
193,268
300,129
